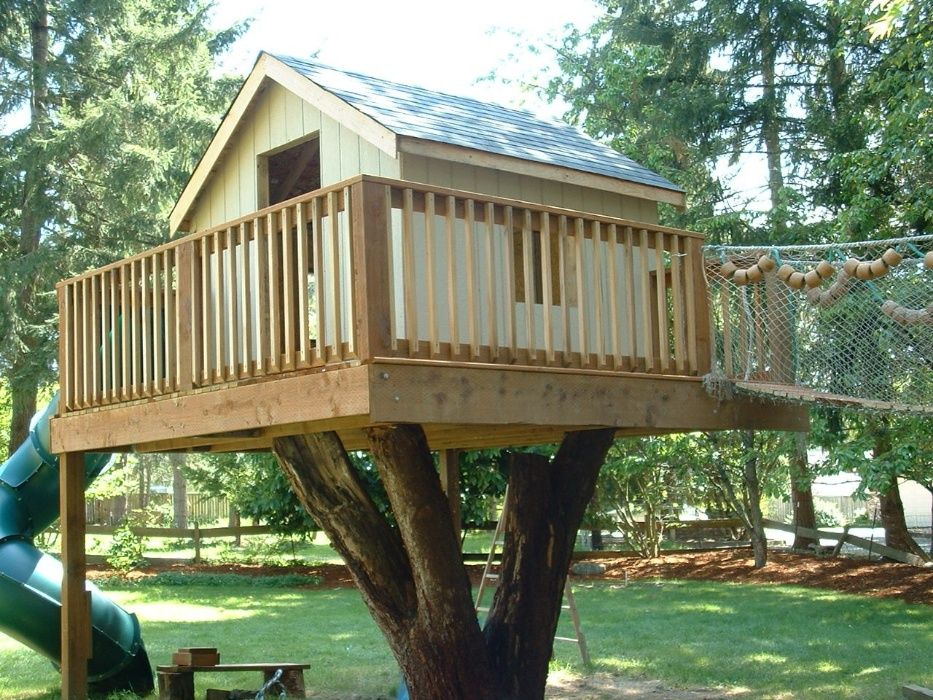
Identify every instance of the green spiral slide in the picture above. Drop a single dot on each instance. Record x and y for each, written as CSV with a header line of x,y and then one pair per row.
x,y
30,581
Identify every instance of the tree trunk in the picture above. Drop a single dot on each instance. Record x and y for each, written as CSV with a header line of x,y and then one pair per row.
x,y
412,577
896,534
546,503
179,491
801,494
893,521
233,520
24,374
753,501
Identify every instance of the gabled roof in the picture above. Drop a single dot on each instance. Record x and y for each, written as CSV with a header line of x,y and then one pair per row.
x,y
404,118
462,121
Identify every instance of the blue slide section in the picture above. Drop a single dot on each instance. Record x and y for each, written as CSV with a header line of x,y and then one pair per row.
x,y
30,581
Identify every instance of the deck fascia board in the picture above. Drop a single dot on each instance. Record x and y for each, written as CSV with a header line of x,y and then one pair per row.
x,y
299,399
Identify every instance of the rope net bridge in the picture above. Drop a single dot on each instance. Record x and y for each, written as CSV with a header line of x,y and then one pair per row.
x,y
844,324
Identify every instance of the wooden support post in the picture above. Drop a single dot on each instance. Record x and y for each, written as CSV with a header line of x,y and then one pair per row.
x,y
76,619
370,262
450,482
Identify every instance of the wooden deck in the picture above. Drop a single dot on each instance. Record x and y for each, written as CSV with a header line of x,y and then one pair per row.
x,y
490,321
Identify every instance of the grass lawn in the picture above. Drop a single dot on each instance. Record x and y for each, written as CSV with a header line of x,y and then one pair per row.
x,y
774,642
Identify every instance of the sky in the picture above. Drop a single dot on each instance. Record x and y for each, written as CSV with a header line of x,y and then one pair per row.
x,y
439,45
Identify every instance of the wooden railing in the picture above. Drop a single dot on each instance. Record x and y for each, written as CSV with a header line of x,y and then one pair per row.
x,y
374,268
262,295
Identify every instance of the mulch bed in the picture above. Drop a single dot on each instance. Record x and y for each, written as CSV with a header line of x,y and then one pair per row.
x,y
880,579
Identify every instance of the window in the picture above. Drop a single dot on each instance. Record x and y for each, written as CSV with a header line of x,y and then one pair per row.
x,y
289,171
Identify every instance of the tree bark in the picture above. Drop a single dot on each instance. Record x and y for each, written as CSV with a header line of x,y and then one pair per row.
x,y
893,521
801,494
753,501
24,375
179,491
896,534
412,577
546,503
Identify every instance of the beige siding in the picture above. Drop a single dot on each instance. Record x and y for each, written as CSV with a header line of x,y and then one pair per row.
x,y
279,117
503,184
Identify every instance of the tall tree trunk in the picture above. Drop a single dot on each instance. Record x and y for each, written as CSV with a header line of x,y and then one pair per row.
x,y
179,491
893,521
412,577
233,520
24,375
801,494
752,494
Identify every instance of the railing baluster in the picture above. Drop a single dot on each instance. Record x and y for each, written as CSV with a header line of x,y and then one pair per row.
x,y
288,288
230,301
724,310
409,295
450,215
492,316
528,280
629,298
304,333
333,261
429,262
346,271
157,325
563,244
547,301
274,280
647,325
320,350
612,247
661,277
205,306
469,262
677,305
106,304
245,303
217,303
598,340
690,321
582,316
171,320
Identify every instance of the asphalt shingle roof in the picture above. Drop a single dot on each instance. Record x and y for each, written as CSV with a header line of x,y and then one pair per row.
x,y
462,121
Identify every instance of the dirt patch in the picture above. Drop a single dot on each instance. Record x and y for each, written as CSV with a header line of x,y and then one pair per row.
x,y
880,579
859,576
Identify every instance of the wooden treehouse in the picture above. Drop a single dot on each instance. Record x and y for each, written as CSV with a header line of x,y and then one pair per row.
x,y
362,252
351,252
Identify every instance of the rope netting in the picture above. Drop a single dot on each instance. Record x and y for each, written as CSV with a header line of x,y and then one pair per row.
x,y
846,323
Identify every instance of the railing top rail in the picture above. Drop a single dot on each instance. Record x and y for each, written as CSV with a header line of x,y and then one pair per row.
x,y
197,235
505,201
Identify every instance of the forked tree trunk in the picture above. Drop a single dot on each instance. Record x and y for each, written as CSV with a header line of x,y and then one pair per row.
x,y
752,489
412,577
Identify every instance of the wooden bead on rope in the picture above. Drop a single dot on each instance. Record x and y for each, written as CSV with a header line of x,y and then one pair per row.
x,y
879,268
754,274
796,281
863,271
825,270
812,279
850,266
784,272
740,277
728,268
766,263
891,257
928,260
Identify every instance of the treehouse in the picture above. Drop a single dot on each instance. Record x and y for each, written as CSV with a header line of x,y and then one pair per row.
x,y
351,251
351,254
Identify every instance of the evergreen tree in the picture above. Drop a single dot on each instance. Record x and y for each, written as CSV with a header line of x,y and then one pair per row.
x,y
105,106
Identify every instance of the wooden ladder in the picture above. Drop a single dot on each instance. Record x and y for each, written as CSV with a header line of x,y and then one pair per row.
x,y
491,578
